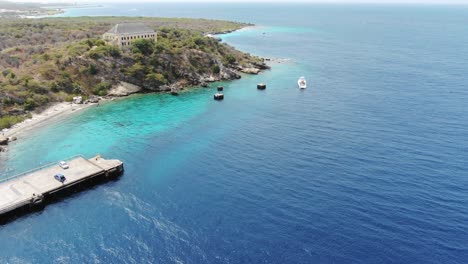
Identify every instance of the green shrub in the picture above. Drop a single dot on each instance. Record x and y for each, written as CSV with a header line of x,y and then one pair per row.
x,y
40,99
65,83
36,87
102,88
104,51
155,79
9,121
29,104
161,47
69,98
77,49
216,69
113,51
8,101
199,40
96,54
137,70
93,42
45,57
143,46
229,59
48,72
92,69
99,42
6,72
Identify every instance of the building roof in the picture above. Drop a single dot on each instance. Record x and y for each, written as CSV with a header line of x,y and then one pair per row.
x,y
130,28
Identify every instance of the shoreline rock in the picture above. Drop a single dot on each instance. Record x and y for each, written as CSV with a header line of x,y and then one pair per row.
x,y
3,141
124,89
250,70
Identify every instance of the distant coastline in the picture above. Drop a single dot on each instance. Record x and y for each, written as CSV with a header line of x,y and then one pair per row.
x,y
63,7
11,10
37,10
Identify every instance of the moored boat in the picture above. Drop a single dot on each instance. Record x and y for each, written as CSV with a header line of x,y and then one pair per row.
x,y
218,96
302,83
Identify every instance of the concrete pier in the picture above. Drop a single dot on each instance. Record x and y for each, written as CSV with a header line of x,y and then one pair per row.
x,y
32,189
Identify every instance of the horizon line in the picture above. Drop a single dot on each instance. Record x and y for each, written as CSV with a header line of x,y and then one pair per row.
x,y
372,2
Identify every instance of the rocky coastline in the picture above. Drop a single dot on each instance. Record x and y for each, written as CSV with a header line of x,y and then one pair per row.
x,y
77,74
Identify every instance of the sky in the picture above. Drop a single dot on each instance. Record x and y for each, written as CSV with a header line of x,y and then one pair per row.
x,y
276,1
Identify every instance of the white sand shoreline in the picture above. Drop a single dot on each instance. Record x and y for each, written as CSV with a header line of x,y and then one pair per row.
x,y
51,114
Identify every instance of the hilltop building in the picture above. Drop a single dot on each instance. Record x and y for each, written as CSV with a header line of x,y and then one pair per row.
x,y
124,34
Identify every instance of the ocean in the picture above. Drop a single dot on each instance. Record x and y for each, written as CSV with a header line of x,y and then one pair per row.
x,y
367,165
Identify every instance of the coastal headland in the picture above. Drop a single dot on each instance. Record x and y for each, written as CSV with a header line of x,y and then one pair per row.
x,y
10,9
50,61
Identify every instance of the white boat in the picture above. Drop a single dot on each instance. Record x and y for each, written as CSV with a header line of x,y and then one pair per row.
x,y
302,83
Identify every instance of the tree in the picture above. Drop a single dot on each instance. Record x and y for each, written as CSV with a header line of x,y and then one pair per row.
x,y
143,46
29,104
155,79
92,69
101,88
104,51
229,59
137,70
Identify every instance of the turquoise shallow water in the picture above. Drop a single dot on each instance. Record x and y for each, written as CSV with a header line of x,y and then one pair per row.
x,y
365,166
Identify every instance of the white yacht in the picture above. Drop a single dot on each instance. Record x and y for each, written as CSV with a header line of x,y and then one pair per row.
x,y
302,83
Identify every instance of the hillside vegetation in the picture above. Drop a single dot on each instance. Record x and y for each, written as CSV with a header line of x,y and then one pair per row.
x,y
54,59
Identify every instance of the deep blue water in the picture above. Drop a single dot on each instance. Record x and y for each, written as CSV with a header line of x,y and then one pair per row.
x,y
368,165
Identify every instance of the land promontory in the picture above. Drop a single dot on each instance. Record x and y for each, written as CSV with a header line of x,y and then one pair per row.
x,y
49,60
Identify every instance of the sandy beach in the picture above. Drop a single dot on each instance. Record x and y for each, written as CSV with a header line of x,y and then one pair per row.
x,y
52,114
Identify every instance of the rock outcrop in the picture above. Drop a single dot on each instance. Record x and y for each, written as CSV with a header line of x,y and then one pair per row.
x,y
3,141
124,89
250,70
